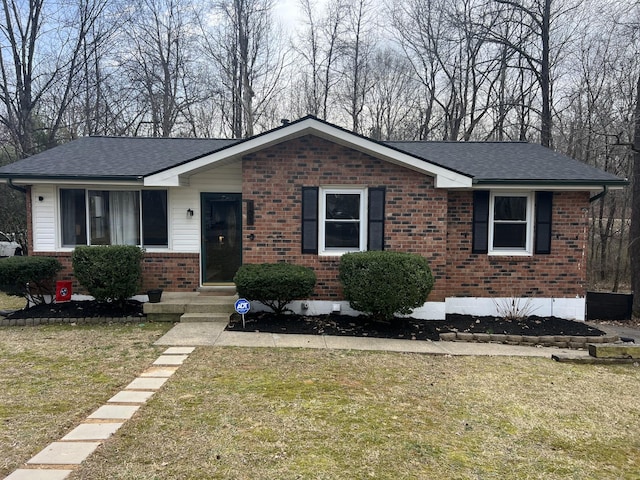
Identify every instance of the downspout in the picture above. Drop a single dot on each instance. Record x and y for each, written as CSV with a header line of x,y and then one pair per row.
x,y
604,191
16,187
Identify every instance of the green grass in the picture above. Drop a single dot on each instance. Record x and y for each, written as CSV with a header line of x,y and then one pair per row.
x,y
233,413
52,377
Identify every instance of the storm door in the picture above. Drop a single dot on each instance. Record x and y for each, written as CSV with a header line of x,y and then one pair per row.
x,y
221,236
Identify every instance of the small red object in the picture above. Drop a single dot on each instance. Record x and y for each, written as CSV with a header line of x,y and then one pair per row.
x,y
63,291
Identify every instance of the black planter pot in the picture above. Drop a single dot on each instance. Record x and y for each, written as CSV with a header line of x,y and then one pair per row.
x,y
154,295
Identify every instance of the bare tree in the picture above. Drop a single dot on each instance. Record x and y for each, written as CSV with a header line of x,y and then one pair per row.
x,y
242,41
40,51
318,47
358,47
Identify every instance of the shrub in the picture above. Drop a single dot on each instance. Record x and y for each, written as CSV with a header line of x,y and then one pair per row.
x,y
30,277
385,283
274,284
109,273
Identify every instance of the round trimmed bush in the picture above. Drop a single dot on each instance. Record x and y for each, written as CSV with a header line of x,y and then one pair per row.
x,y
274,284
383,284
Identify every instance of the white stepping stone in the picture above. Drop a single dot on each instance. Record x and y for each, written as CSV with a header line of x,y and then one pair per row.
x,y
130,396
115,412
171,359
64,453
179,350
93,431
146,384
39,474
159,372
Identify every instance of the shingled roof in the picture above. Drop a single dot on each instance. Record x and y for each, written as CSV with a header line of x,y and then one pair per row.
x,y
508,162
116,158
134,158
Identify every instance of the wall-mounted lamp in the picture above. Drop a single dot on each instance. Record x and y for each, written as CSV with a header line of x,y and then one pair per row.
x,y
189,213
41,198
252,237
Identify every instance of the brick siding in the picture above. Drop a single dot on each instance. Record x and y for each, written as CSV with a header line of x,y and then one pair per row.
x,y
416,212
559,274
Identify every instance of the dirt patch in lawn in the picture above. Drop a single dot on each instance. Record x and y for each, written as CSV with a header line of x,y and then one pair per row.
x,y
407,328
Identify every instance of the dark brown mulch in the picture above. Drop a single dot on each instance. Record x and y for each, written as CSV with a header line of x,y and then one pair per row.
x,y
407,328
362,326
81,309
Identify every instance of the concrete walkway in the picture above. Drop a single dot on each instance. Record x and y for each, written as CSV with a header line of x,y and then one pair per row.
x,y
214,334
58,460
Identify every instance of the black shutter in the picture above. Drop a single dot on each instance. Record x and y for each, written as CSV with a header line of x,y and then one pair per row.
x,y
480,221
310,220
375,227
544,208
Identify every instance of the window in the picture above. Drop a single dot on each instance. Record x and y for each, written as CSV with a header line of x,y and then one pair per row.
x,y
511,220
342,228
504,222
113,217
340,220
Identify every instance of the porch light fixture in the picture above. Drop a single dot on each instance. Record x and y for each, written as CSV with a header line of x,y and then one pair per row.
x,y
189,213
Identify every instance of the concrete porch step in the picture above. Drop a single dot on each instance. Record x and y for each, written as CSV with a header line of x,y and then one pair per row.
x,y
173,306
204,317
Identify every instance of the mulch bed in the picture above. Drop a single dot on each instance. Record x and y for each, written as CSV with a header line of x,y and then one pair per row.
x,y
407,328
80,309
362,326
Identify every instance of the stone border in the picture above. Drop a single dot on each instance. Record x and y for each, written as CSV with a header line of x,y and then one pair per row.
x,y
31,322
560,341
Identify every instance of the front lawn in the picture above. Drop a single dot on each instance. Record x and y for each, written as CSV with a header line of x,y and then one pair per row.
x,y
52,377
234,413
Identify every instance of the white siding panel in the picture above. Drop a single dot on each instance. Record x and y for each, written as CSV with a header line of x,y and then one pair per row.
x,y
44,218
185,231
222,179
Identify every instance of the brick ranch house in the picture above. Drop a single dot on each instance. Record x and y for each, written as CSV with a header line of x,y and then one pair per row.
x,y
494,219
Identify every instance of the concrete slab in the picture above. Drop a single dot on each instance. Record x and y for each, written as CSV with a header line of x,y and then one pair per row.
x,y
64,453
39,474
299,341
115,412
93,431
164,372
131,396
147,383
179,350
192,334
245,339
170,359
382,344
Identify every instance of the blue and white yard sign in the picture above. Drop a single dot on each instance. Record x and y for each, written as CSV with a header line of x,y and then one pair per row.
x,y
242,306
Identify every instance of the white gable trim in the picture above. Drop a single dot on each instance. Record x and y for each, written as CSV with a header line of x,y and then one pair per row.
x,y
178,176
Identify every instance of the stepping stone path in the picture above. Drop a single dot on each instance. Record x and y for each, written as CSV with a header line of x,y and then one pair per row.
x,y
59,459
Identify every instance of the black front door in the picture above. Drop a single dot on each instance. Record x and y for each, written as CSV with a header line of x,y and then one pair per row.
x,y
221,236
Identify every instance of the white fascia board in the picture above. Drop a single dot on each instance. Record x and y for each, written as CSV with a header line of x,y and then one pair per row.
x,y
444,178
84,182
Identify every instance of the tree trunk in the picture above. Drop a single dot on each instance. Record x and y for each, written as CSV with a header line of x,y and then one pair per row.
x,y
634,234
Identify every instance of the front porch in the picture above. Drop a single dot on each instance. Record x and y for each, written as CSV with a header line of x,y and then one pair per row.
x,y
206,305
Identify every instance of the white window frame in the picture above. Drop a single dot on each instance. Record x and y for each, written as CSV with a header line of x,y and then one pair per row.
x,y
528,249
322,214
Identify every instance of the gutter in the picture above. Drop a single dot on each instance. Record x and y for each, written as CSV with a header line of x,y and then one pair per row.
x,y
605,189
16,187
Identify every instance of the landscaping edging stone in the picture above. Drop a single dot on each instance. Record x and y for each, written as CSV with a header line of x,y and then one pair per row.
x,y
560,341
32,322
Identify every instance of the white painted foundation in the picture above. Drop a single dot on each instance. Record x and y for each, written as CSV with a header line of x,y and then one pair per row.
x,y
568,308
